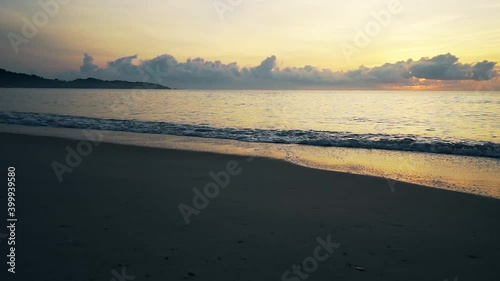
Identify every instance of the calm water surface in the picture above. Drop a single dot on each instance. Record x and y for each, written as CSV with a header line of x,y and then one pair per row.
x,y
443,139
446,115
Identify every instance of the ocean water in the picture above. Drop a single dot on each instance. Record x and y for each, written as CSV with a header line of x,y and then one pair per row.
x,y
461,123
309,124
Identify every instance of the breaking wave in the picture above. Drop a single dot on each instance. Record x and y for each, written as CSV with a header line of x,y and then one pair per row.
x,y
398,142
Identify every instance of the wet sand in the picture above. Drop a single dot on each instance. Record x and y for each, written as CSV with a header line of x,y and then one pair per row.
x,y
118,212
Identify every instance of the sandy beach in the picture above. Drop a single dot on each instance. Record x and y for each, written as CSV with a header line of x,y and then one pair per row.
x,y
116,216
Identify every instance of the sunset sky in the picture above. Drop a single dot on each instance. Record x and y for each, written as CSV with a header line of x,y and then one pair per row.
x,y
291,34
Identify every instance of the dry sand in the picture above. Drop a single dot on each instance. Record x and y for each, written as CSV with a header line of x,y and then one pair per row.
x,y
118,212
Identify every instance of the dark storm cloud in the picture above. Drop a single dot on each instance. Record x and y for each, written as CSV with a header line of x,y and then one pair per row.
x,y
199,73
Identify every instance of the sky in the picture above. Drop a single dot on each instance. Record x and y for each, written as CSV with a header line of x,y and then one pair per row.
x,y
374,44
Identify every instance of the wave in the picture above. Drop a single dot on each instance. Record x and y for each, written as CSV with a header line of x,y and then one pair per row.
x,y
304,137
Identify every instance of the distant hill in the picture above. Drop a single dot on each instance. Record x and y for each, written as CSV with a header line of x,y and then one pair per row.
x,y
20,80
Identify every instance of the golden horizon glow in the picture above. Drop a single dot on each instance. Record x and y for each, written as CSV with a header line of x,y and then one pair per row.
x,y
298,34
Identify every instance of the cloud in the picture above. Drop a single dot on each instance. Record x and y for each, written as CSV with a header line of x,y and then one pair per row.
x,y
124,67
88,64
199,73
442,67
483,71
447,67
265,69
391,73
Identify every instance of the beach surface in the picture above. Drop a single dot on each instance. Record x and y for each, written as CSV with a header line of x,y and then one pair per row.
x,y
116,216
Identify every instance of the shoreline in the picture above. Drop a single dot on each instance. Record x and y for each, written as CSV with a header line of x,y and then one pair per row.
x,y
119,210
456,173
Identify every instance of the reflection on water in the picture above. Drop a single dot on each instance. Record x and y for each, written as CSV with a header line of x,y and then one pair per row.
x,y
446,115
460,173
449,116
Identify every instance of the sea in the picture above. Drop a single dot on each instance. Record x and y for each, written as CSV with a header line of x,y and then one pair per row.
x,y
443,139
